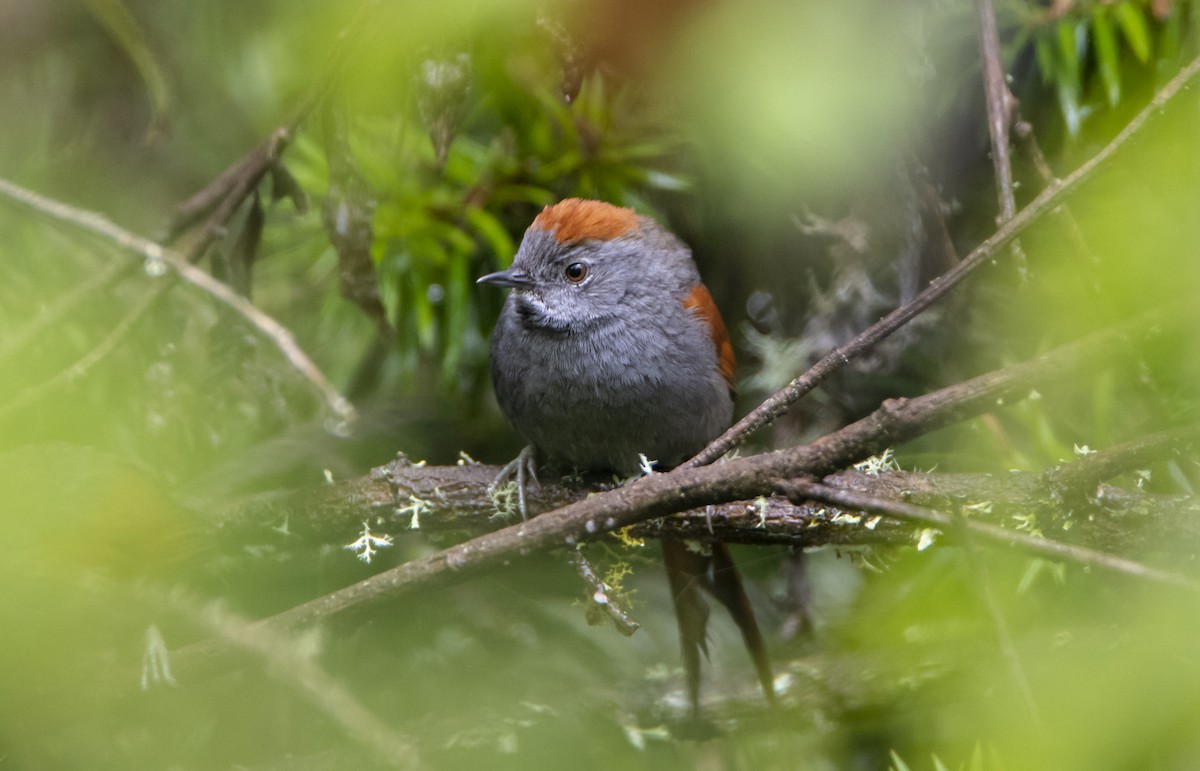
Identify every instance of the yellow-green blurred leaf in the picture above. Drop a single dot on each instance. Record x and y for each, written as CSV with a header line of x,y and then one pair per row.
x,y
1133,24
1107,56
125,30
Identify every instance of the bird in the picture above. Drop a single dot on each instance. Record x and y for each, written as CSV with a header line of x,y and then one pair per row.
x,y
609,353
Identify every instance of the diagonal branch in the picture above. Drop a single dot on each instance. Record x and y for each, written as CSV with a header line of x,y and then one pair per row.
x,y
736,480
289,663
1046,201
78,369
999,106
1057,550
1081,478
157,255
17,341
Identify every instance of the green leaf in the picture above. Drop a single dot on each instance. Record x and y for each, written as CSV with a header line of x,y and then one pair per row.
x,y
492,232
1133,25
1043,46
1067,77
1107,56
533,194
125,30
1068,50
456,241
898,763
455,307
976,763
1170,42
426,324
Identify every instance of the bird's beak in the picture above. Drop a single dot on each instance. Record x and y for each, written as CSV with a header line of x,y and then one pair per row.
x,y
506,278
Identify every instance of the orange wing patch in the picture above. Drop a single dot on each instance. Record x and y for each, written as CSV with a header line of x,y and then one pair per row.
x,y
576,220
700,301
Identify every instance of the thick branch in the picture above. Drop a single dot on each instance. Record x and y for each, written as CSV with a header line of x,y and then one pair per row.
x,y
736,480
459,504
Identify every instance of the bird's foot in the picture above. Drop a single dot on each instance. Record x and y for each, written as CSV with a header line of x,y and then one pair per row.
x,y
521,469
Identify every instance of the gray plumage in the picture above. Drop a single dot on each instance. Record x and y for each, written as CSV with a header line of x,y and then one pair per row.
x,y
595,372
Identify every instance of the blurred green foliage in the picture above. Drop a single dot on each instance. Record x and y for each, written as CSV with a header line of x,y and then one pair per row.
x,y
520,147
1091,53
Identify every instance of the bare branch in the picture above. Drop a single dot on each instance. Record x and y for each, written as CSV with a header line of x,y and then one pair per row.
x,y
744,479
603,596
156,254
287,661
999,106
801,489
17,341
1082,478
93,357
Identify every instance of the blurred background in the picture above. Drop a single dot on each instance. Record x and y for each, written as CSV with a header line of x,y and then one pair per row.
x,y
823,160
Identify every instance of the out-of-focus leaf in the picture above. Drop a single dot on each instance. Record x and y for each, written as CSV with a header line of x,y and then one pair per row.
x,y
1133,25
976,763
456,302
347,214
569,57
565,165
128,34
1071,38
492,232
284,185
1170,41
443,86
456,241
1107,57
531,194
245,248
665,181
1044,49
426,325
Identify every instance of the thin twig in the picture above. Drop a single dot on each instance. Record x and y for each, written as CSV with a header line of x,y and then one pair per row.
x,y
999,106
286,660
1048,199
983,587
221,198
63,306
1081,477
603,595
157,254
1023,130
798,489
93,357
235,185
234,181
1000,102
252,167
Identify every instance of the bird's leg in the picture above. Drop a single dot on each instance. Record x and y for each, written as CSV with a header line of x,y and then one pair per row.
x,y
523,468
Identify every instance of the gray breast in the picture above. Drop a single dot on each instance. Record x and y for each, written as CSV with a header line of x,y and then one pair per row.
x,y
597,400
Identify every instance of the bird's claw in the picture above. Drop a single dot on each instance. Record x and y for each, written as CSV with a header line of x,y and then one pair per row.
x,y
523,468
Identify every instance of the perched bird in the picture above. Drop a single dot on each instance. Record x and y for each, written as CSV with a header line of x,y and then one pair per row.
x,y
608,349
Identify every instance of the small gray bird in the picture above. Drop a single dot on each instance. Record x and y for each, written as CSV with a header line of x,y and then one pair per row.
x,y
608,348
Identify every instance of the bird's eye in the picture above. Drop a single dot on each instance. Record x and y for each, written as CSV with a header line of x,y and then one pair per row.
x,y
576,272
